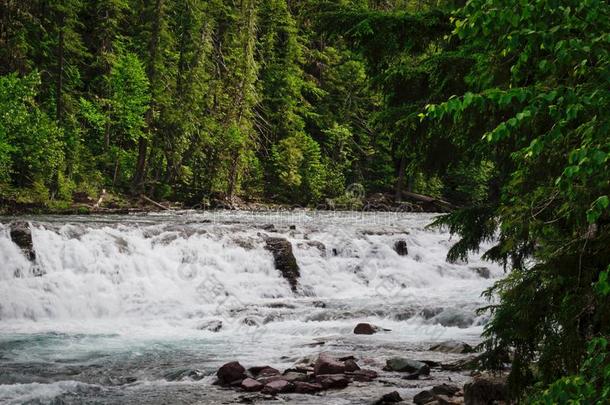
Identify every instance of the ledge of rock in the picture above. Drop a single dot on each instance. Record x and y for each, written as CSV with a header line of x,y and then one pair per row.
x,y
284,259
21,235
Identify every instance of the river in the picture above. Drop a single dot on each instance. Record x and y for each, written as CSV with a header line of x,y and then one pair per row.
x,y
145,308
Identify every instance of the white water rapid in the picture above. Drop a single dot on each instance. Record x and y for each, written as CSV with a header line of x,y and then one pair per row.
x,y
143,309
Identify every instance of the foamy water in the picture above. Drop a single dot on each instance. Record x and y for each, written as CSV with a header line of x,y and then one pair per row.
x,y
124,302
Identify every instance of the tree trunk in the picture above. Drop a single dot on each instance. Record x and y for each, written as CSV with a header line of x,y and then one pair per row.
x,y
401,177
153,47
60,70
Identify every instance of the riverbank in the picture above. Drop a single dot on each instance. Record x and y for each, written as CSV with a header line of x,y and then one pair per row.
x,y
120,204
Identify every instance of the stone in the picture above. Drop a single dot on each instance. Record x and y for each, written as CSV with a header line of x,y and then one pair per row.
x,y
485,390
263,371
329,381
351,365
400,246
301,387
366,329
212,326
452,346
363,375
21,235
423,397
250,385
407,365
326,364
230,372
468,363
277,387
445,389
284,260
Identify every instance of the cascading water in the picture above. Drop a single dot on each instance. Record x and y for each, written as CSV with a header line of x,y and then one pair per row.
x,y
144,308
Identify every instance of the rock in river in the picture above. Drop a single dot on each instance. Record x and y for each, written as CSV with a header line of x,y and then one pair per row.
x,y
21,235
407,365
231,372
326,364
367,329
284,259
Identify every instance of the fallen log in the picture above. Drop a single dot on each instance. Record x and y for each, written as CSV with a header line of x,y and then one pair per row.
x,y
155,203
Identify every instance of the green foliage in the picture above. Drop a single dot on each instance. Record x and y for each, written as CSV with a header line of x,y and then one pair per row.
x,y
300,173
31,155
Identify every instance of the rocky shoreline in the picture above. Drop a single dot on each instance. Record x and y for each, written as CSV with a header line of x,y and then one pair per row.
x,y
330,374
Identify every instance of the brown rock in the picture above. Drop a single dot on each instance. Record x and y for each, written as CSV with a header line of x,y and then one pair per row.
x,y
263,371
326,364
365,329
445,389
423,397
390,398
329,381
351,365
231,372
250,384
277,387
284,260
363,375
307,388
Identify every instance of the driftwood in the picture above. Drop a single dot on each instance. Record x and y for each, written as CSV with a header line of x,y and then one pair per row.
x,y
429,201
99,202
154,203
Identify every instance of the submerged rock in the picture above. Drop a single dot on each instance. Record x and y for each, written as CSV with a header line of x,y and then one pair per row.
x,y
407,365
231,372
483,272
363,375
21,235
400,246
452,346
263,371
454,317
284,260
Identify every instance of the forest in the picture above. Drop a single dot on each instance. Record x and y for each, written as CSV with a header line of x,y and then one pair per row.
x,y
497,106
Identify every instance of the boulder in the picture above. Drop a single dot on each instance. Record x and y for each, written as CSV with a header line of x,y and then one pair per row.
x,y
423,397
301,387
390,398
486,389
230,372
351,365
250,384
452,346
445,389
407,365
277,387
284,260
400,246
326,364
364,328
329,381
212,326
314,244
21,235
